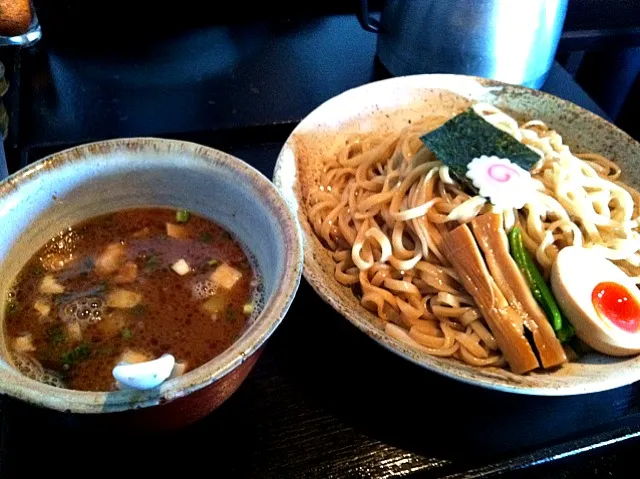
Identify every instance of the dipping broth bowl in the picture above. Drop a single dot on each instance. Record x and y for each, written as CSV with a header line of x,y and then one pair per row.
x,y
74,185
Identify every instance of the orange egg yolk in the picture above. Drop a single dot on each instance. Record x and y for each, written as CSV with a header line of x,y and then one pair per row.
x,y
618,305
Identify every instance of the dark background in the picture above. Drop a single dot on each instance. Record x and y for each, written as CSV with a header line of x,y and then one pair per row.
x,y
597,46
324,400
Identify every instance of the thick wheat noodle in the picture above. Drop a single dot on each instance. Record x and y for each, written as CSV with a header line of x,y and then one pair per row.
x,y
383,203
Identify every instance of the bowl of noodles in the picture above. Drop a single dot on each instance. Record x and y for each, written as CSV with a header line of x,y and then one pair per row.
x,y
441,242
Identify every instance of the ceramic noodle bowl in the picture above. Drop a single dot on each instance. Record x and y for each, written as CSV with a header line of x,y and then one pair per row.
x,y
388,106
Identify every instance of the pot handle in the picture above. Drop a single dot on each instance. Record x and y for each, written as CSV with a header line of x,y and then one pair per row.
x,y
367,22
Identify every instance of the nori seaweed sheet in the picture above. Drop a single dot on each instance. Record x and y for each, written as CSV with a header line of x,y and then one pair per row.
x,y
468,136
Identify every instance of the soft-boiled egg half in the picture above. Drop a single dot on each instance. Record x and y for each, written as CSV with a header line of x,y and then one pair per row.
x,y
599,299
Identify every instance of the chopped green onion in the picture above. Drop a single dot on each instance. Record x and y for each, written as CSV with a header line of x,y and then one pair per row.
x,y
106,350
138,310
77,354
55,335
38,271
12,307
127,334
182,216
247,309
206,237
213,262
151,263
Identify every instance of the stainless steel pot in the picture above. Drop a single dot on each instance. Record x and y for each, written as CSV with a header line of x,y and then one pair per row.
x,y
508,40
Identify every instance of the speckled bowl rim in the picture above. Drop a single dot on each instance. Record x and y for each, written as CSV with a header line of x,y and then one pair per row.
x,y
263,326
287,183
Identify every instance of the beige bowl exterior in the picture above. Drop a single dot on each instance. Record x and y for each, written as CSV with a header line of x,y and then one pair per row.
x,y
389,105
93,179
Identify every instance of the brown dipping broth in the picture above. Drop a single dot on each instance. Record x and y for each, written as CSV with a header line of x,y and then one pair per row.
x,y
170,315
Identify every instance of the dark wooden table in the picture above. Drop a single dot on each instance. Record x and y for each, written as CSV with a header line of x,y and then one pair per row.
x,y
324,400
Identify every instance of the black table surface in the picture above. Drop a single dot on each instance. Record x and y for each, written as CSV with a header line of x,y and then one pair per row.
x,y
324,400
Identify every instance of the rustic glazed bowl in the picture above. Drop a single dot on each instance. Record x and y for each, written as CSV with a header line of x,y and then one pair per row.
x,y
93,179
390,105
